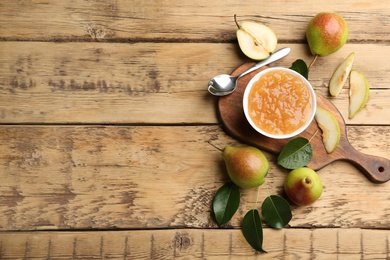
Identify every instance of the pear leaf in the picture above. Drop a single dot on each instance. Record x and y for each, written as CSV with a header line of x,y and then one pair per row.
x,y
226,202
300,67
252,229
276,211
297,153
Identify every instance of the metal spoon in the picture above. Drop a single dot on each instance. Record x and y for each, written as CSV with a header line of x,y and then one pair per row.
x,y
225,84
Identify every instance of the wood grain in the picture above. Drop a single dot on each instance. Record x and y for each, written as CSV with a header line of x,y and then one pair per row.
x,y
74,177
121,83
325,243
140,20
110,144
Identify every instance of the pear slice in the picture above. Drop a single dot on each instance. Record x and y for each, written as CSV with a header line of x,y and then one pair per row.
x,y
330,127
359,91
256,40
340,75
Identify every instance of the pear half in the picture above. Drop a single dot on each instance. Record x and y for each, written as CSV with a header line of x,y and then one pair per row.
x,y
330,127
257,41
340,75
359,91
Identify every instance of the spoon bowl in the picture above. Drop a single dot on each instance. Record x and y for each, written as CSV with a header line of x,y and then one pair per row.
x,y
222,85
225,84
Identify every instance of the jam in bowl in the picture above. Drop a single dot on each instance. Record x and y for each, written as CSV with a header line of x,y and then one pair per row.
x,y
279,103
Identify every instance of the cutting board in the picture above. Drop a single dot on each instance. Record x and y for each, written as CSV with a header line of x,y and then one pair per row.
x,y
376,169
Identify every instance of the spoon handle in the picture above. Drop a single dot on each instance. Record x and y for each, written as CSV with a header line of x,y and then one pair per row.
x,y
273,57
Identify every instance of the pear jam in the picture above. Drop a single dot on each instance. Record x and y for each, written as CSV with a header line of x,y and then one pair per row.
x,y
279,102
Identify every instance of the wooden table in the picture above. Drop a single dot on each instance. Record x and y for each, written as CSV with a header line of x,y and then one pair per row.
x,y
110,143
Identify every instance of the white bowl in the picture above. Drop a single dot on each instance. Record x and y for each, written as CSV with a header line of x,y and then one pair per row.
x,y
292,132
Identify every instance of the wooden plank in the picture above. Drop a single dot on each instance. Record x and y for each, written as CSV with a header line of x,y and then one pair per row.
x,y
81,177
136,191
123,83
140,20
328,243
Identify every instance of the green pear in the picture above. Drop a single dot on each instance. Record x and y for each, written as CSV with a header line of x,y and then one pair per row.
x,y
303,186
247,166
326,33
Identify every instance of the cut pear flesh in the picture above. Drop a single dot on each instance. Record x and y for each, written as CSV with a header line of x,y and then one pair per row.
x,y
359,91
330,127
340,75
256,40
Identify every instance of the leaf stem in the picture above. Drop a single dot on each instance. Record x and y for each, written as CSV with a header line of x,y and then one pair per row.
x,y
313,135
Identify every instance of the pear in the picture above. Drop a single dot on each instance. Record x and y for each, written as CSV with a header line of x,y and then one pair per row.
x,y
340,75
247,166
257,41
326,33
359,90
330,127
303,186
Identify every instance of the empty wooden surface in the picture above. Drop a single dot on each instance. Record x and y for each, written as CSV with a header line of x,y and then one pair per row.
x,y
110,144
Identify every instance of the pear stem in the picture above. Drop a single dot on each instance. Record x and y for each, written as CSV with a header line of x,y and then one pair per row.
x,y
307,180
257,196
216,147
235,20
312,62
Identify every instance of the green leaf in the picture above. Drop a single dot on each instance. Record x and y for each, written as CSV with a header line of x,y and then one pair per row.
x,y
276,211
226,202
300,67
297,153
252,229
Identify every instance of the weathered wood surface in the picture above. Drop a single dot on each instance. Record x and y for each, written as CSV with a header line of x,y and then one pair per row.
x,y
123,83
157,177
329,243
110,143
204,20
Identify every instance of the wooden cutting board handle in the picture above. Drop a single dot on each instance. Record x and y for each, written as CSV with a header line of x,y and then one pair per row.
x,y
376,168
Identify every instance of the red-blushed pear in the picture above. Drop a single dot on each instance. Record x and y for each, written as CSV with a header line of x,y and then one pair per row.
x,y
326,33
257,41
247,166
303,186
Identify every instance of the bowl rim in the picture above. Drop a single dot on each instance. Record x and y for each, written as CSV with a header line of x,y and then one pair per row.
x,y
283,136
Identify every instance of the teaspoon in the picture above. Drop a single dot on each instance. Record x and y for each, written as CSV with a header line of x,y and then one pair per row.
x,y
225,84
